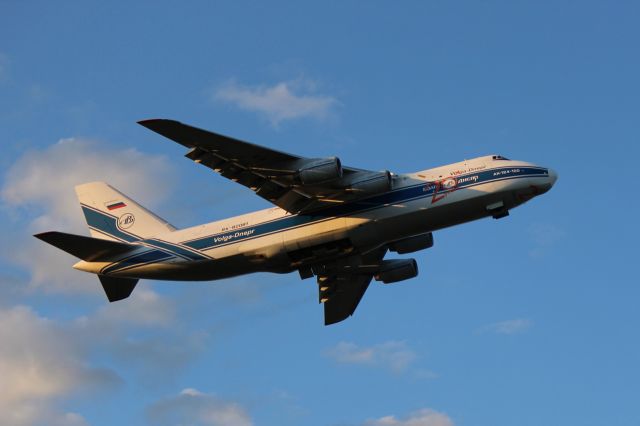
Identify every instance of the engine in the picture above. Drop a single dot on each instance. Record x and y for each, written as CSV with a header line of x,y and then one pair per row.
x,y
320,170
395,270
374,183
411,244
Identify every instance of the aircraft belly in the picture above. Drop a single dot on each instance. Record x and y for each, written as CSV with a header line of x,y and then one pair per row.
x,y
183,270
315,234
470,204
438,212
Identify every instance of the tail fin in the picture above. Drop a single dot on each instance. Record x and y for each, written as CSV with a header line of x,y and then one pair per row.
x,y
111,215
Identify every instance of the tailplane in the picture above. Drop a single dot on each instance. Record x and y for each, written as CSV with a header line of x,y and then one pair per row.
x,y
96,250
86,248
111,215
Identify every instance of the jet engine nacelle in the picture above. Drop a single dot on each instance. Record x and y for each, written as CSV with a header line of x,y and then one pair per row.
x,y
395,270
320,170
375,183
411,244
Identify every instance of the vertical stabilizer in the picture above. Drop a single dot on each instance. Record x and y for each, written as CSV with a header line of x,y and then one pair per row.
x,y
112,215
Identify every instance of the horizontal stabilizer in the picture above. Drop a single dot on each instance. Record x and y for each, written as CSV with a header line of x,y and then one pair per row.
x,y
117,288
85,248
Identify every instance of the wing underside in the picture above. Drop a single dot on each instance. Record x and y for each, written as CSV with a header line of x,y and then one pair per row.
x,y
342,284
291,182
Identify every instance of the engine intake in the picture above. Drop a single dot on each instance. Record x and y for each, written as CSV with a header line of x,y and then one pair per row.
x,y
411,244
395,270
320,170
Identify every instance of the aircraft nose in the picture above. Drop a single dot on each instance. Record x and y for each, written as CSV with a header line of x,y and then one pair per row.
x,y
553,176
545,183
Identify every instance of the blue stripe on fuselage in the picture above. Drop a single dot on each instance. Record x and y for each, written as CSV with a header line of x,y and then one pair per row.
x,y
176,249
150,256
422,190
108,224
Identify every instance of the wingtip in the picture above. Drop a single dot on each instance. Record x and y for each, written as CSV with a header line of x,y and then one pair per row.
x,y
43,235
48,237
150,121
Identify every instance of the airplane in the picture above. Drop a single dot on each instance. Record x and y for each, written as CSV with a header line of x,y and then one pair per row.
x,y
330,221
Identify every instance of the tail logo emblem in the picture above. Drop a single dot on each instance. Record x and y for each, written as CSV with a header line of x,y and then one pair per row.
x,y
126,221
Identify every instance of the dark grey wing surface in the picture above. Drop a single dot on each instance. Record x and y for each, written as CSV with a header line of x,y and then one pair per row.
x,y
225,147
271,174
341,287
265,171
347,295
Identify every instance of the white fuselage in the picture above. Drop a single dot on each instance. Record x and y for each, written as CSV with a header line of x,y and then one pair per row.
x,y
277,241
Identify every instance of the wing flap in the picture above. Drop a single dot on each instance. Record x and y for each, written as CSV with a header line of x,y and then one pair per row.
x,y
343,296
342,284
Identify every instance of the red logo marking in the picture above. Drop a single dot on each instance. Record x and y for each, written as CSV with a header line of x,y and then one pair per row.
x,y
443,188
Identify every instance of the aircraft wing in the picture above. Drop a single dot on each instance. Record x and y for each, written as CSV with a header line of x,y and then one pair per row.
x,y
342,286
296,184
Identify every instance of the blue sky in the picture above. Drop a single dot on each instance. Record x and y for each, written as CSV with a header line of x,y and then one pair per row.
x,y
527,320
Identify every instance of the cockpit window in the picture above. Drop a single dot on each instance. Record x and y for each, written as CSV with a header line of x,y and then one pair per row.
x,y
499,157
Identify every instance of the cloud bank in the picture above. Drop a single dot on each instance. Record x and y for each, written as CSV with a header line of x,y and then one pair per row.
x,y
393,355
192,407
512,326
284,101
424,417
44,361
40,361
39,186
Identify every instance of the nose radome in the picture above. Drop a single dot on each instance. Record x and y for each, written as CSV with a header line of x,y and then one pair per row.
x,y
553,176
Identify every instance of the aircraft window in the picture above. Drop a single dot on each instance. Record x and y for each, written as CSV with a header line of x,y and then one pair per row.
x,y
499,157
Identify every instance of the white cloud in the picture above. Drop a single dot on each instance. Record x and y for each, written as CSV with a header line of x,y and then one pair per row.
x,y
544,237
40,362
192,407
424,417
40,186
66,419
394,355
143,308
286,100
45,178
142,332
43,361
512,326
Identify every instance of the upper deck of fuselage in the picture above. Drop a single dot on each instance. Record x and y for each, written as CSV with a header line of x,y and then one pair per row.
x,y
477,164
229,225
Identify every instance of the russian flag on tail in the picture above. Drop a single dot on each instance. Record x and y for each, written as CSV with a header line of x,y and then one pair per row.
x,y
117,205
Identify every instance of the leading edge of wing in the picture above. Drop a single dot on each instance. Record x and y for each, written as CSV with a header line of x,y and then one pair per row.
x,y
191,137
